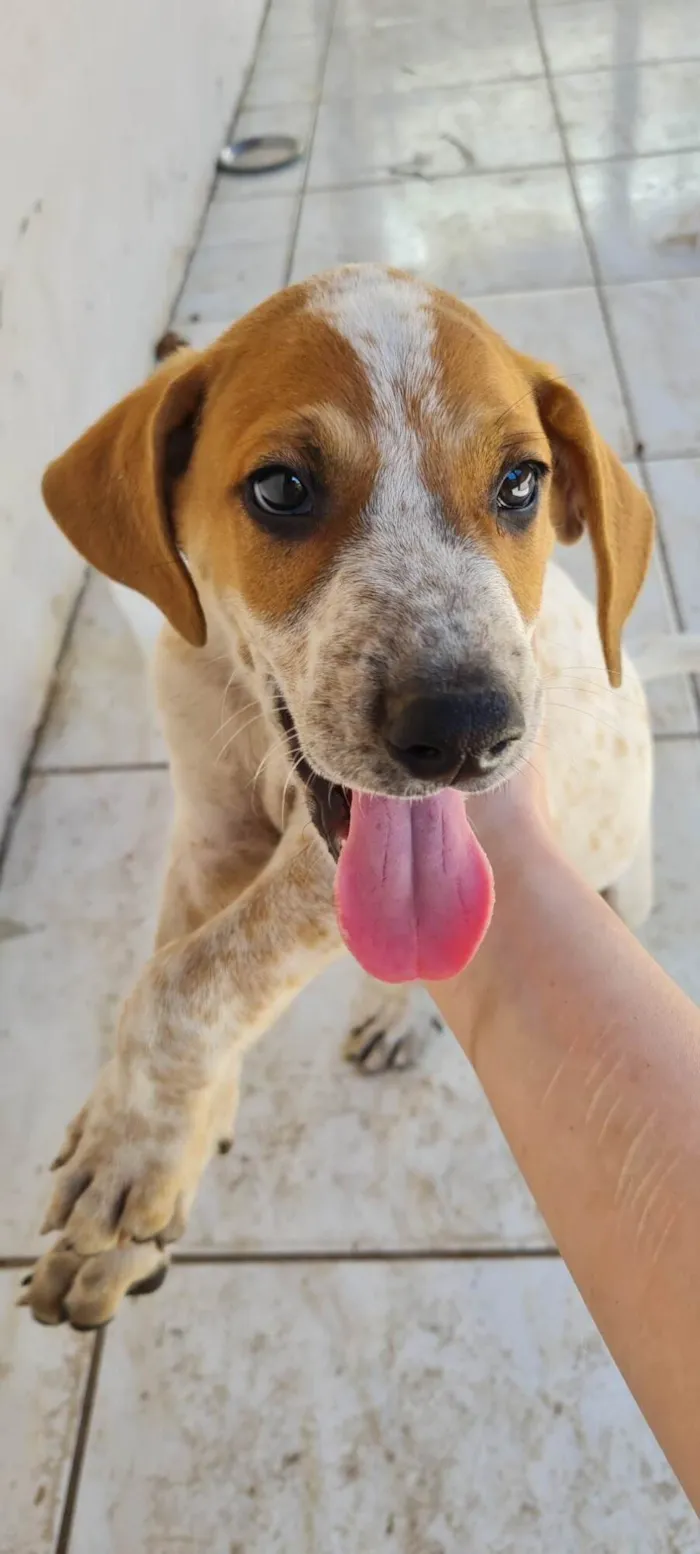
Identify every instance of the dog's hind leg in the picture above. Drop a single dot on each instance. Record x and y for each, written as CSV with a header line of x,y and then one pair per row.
x,y
388,1027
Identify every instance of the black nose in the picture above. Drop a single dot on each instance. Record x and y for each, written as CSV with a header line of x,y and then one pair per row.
x,y
446,734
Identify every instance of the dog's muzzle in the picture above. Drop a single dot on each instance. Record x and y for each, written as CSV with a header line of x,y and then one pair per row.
x,y
329,804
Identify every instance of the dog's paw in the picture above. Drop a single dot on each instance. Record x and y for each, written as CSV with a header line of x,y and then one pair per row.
x,y
86,1291
129,1167
388,1029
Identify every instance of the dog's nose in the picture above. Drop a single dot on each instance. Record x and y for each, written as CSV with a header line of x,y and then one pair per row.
x,y
442,735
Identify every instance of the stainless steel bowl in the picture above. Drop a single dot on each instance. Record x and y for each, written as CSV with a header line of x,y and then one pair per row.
x,y
258,154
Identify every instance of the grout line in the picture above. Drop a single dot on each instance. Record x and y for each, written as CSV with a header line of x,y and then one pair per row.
x,y
301,193
686,455
394,181
479,82
600,287
621,66
70,1502
51,689
507,170
95,770
360,1255
684,733
216,174
250,72
358,98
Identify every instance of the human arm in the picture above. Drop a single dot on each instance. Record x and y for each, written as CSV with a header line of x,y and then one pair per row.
x,y
590,1058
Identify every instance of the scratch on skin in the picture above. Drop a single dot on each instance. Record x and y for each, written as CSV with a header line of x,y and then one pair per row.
x,y
654,1194
602,1087
625,1175
607,1120
595,1069
663,1238
559,1070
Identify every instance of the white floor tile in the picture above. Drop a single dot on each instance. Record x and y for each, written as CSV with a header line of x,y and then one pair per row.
x,y
633,111
566,329
366,15
43,1374
286,119
325,1159
238,226
287,69
673,932
499,232
103,711
228,279
489,43
676,487
644,215
656,324
77,910
427,134
203,331
672,704
604,34
295,18
360,1407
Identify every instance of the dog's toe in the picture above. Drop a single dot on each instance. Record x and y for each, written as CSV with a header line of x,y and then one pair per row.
x,y
46,1287
392,1026
86,1291
374,1049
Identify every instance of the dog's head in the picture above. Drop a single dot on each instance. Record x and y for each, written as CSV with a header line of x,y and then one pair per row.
x,y
366,481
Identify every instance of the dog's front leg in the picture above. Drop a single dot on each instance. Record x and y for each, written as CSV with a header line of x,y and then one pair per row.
x,y
132,1159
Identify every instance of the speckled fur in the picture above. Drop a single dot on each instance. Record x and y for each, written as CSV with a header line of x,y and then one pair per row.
x,y
412,574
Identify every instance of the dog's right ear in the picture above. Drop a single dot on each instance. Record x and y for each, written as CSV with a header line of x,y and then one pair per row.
x,y
110,491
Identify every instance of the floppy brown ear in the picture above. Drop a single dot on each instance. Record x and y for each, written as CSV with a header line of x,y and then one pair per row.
x,y
591,490
110,491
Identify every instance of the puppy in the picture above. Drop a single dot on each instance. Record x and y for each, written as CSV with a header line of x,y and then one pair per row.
x,y
345,509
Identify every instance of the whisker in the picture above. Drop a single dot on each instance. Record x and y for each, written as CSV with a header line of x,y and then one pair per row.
x,y
582,687
237,733
290,776
226,690
237,714
268,753
586,713
529,394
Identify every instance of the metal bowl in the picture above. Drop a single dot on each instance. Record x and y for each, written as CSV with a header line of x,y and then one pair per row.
x,y
258,154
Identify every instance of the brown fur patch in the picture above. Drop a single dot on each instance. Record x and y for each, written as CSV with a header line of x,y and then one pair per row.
x,y
288,404
485,391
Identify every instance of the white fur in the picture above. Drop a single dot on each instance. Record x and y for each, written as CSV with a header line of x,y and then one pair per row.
x,y
389,323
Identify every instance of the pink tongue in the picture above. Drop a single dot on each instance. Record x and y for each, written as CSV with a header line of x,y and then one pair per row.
x,y
414,889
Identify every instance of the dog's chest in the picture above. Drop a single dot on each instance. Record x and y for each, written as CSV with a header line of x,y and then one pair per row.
x,y
599,739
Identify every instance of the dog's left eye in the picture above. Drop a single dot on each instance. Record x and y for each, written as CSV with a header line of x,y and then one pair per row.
x,y
280,492
518,488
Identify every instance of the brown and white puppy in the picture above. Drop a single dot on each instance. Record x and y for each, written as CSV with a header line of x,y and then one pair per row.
x,y
345,509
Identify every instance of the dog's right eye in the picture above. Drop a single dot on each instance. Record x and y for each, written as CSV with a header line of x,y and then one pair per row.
x,y
279,492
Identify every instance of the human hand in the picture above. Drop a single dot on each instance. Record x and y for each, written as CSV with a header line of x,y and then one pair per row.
x,y
513,820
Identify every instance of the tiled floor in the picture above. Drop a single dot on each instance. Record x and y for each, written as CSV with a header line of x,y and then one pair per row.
x,y
369,1343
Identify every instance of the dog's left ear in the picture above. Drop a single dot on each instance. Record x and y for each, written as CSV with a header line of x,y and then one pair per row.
x,y
111,492
591,490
